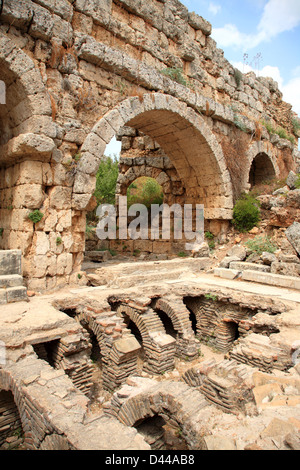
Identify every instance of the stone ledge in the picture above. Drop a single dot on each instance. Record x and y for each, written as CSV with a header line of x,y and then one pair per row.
x,y
16,294
226,273
272,279
13,280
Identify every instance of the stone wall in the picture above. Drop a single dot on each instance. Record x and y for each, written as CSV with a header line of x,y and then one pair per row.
x,y
77,73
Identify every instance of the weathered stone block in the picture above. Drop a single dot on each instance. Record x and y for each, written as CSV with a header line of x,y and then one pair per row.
x,y
11,280
3,299
226,273
293,235
60,197
272,279
291,180
10,262
30,196
249,266
16,294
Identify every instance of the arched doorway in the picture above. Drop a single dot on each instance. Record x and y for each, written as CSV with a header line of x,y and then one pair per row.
x,y
262,170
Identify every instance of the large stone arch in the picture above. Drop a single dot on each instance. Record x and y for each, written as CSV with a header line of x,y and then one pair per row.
x,y
27,128
183,135
27,134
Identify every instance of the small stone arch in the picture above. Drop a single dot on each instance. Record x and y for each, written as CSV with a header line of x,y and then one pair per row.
x,y
261,164
182,134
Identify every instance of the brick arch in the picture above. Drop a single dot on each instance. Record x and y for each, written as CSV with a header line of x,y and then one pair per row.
x,y
7,384
175,400
183,135
36,425
158,346
119,356
187,344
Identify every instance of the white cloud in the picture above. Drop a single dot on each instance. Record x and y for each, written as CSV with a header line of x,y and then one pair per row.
x,y
214,9
229,36
291,93
278,16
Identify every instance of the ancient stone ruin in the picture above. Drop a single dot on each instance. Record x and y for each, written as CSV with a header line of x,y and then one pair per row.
x,y
187,354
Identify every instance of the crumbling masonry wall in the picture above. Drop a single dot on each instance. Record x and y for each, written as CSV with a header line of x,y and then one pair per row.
x,y
76,73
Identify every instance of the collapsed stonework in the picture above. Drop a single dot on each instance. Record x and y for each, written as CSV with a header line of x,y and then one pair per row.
x,y
76,73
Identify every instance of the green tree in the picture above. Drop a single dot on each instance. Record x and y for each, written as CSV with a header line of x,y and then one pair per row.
x,y
107,176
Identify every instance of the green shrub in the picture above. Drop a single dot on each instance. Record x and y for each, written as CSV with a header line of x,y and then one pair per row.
x,y
1,232
175,74
58,241
209,235
297,184
296,125
35,216
282,133
246,213
212,297
145,191
260,244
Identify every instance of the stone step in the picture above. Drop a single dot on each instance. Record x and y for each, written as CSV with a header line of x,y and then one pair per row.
x,y
10,262
13,280
277,280
13,294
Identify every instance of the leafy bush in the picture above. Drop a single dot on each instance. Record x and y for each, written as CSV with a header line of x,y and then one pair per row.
x,y
260,244
246,213
209,236
145,191
297,184
35,216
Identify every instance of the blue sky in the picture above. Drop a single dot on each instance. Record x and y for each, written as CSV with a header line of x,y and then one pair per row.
x,y
268,31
